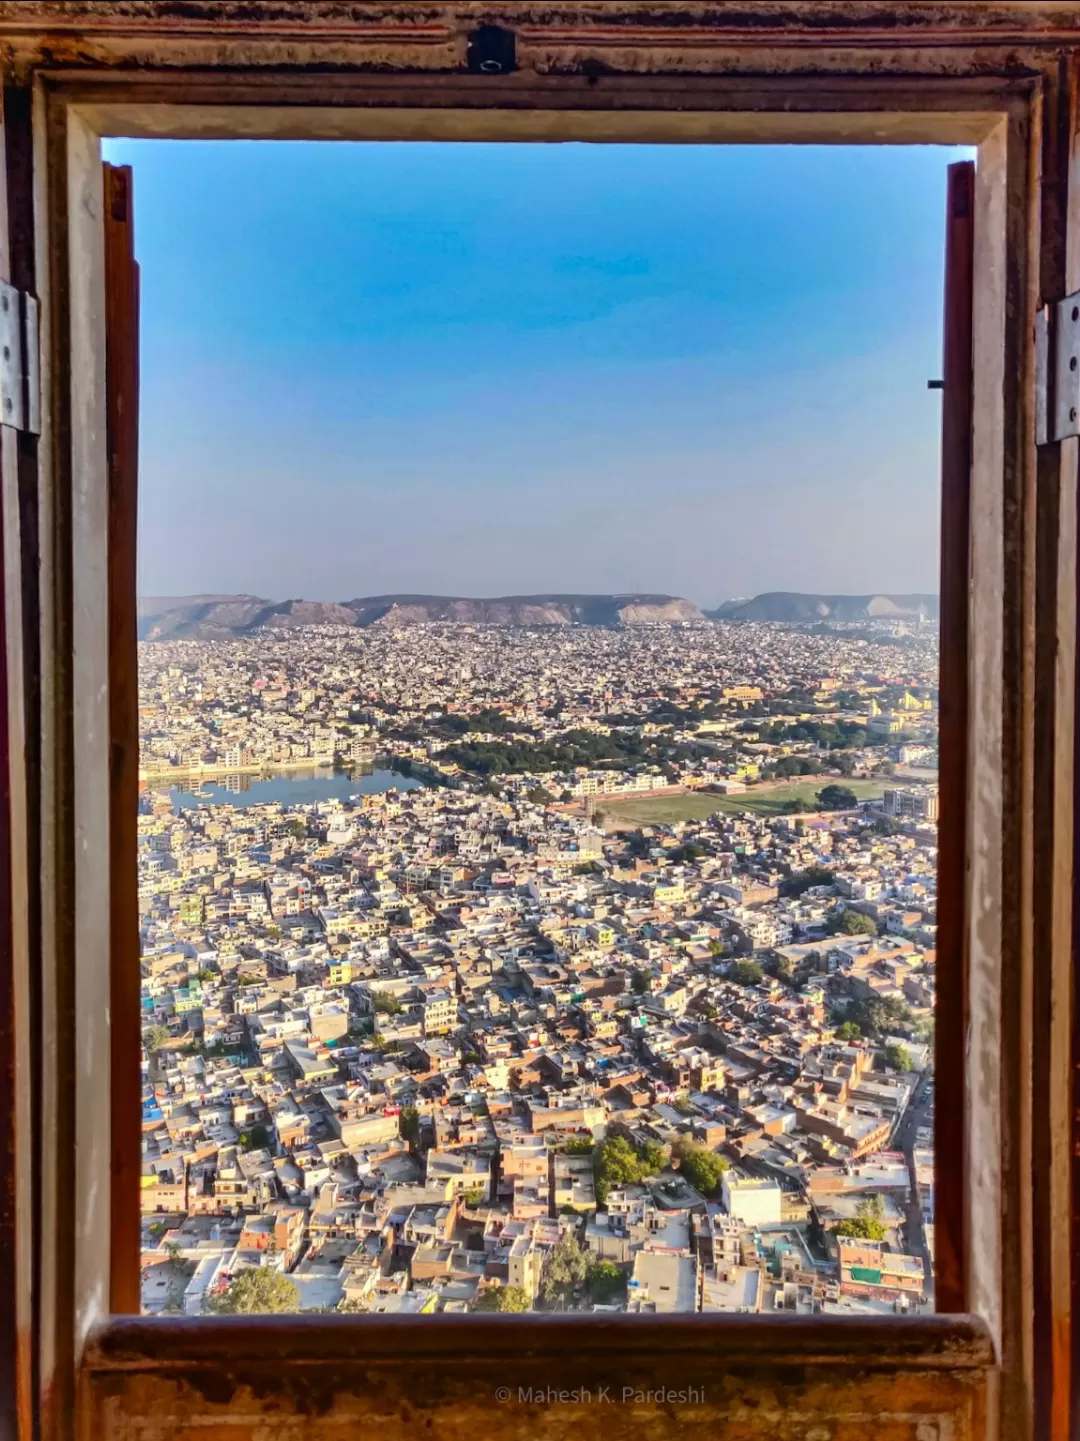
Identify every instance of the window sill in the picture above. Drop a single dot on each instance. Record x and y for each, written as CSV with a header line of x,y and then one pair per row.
x,y
758,1376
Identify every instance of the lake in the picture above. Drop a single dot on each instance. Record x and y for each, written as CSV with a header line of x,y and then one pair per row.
x,y
292,788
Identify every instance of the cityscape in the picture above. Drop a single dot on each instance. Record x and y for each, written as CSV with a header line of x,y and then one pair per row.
x,y
544,956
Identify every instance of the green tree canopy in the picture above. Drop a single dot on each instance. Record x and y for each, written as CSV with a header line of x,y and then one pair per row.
x,y
502,1299
255,1291
567,1268
385,1004
801,881
704,1169
854,923
837,798
256,1139
849,1031
641,983
616,1163
877,1014
747,973
606,1282
861,1228
898,1058
154,1037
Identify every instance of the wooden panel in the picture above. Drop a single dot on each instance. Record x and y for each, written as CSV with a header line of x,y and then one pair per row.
x,y
122,401
17,1110
1054,647
951,1182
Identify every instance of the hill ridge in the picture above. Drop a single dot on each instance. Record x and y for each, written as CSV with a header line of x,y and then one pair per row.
x,y
208,617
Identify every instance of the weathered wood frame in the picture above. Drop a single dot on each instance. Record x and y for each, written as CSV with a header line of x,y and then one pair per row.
x,y
999,76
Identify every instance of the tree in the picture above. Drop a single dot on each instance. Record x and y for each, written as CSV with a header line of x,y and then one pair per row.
x,y
616,1163
606,1281
641,983
701,1167
567,1268
172,1252
801,881
409,1124
876,1014
747,973
872,1208
868,1223
154,1037
849,1031
257,1139
898,1058
837,798
385,1004
579,1146
716,948
255,1291
854,923
502,1299
473,1196
539,796
860,1228
651,1157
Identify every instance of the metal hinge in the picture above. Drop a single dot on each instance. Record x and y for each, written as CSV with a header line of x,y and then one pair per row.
x,y
1057,370
20,368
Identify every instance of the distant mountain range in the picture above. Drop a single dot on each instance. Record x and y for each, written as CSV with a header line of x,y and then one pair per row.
x,y
220,617
794,607
217,617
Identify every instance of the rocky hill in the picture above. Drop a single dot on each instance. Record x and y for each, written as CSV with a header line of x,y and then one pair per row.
x,y
216,617
795,607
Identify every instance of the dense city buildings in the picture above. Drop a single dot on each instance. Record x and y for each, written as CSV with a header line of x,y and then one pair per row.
x,y
598,973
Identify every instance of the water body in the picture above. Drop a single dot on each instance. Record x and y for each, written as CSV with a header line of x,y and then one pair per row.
x,y
292,788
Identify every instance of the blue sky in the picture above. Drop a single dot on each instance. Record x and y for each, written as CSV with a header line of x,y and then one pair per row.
x,y
486,369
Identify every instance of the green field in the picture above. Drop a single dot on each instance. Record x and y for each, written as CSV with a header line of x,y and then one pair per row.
x,y
760,801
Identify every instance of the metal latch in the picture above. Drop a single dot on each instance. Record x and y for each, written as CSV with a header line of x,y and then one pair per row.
x,y
1057,370
20,370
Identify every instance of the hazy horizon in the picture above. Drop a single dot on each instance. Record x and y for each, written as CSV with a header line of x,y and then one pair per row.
x,y
506,595
487,370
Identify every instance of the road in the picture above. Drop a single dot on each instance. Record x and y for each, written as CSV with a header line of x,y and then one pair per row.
x,y
916,1115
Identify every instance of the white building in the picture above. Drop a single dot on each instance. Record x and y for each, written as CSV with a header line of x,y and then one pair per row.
x,y
750,1199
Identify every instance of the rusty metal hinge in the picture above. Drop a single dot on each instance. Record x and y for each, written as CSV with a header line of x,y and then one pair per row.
x,y
1057,370
20,366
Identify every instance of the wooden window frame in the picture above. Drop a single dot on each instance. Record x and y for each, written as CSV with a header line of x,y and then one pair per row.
x,y
1001,77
